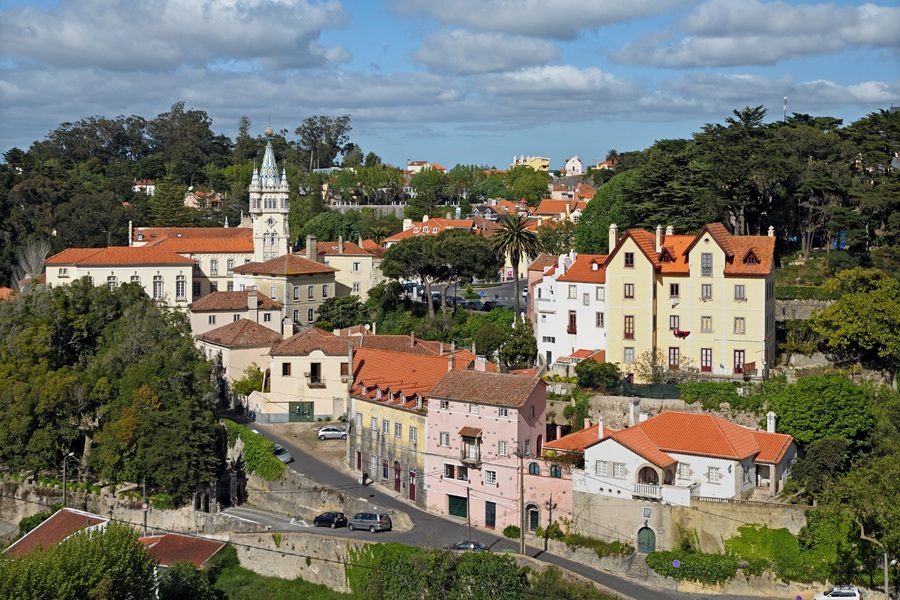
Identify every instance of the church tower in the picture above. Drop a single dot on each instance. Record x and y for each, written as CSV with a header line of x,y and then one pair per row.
x,y
269,207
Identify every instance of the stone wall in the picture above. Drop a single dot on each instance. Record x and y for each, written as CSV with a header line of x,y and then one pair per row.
x,y
614,410
789,310
297,495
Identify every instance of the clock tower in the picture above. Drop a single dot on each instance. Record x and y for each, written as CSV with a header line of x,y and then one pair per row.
x,y
269,208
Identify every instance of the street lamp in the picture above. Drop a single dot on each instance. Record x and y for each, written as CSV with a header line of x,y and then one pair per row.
x,y
549,505
66,489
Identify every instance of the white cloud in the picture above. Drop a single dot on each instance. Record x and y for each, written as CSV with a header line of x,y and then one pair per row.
x,y
725,33
560,19
561,82
161,34
465,52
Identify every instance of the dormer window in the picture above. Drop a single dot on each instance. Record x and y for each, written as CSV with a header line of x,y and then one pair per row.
x,y
426,229
751,258
666,257
415,230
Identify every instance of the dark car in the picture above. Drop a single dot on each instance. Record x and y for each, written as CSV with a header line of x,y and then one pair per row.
x,y
331,519
473,305
489,305
469,546
371,521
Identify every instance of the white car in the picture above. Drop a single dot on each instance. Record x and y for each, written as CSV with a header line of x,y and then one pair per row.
x,y
840,591
331,433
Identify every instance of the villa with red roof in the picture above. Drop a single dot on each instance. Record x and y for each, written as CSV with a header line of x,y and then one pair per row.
x,y
675,456
569,305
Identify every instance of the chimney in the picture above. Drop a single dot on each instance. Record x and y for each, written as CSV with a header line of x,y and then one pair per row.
x,y
587,423
600,427
771,231
359,243
634,412
350,367
613,237
425,219
374,331
441,351
449,215
449,362
412,338
658,239
770,422
407,223
595,266
473,348
340,244
131,232
670,230
253,304
480,363
452,346
311,247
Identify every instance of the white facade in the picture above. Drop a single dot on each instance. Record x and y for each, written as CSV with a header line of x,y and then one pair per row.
x,y
557,303
269,209
574,166
169,284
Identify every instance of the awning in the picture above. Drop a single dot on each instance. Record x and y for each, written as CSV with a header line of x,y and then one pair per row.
x,y
470,432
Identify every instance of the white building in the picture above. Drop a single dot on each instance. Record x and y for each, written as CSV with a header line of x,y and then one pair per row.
x,y
574,166
221,308
675,456
570,308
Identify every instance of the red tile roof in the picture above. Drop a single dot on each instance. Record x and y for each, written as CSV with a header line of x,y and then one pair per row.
x,y
242,333
241,242
402,343
553,208
289,264
58,527
772,446
117,255
587,268
333,248
154,234
232,301
173,548
579,440
672,259
373,247
542,262
308,340
761,246
470,431
395,372
479,387
701,435
434,226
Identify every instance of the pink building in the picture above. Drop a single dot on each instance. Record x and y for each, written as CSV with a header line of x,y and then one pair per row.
x,y
477,421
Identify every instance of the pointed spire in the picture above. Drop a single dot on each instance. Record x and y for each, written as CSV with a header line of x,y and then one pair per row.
x,y
268,173
284,181
226,221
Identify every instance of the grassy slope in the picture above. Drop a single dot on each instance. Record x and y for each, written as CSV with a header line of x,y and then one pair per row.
x,y
238,583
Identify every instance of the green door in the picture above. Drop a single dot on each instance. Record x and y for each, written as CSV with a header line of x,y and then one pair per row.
x,y
457,506
646,540
300,411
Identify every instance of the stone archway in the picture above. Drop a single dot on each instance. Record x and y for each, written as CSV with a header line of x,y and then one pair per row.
x,y
648,475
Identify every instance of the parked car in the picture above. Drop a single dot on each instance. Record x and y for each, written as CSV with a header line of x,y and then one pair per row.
x,y
331,519
371,521
489,305
841,591
332,432
473,305
469,546
282,454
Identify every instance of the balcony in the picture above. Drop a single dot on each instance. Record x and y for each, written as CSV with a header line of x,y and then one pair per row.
x,y
647,490
572,329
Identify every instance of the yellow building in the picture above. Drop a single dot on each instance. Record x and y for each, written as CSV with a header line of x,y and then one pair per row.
x,y
705,300
358,268
538,163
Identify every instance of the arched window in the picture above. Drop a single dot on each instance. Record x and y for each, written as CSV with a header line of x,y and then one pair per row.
x,y
555,471
534,469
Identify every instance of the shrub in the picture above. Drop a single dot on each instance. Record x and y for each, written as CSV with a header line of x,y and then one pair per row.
x,y
512,532
163,501
694,566
600,547
594,375
259,452
709,394
29,523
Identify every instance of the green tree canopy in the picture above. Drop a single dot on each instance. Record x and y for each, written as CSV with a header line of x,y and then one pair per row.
x,y
340,312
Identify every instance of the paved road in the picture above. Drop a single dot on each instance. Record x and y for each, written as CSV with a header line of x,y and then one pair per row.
x,y
431,530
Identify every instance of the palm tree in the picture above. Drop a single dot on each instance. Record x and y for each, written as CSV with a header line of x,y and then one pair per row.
x,y
516,240
377,233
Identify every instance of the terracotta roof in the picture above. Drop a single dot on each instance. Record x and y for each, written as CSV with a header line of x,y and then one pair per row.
x,y
6,293
373,248
582,270
152,234
530,372
581,354
332,248
117,255
211,240
761,246
672,259
486,388
550,207
434,226
584,354
289,264
402,343
542,262
579,440
470,431
308,340
395,372
232,301
701,435
173,548
58,527
242,333
772,446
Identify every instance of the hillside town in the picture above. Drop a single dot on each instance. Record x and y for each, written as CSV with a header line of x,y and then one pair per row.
x,y
411,300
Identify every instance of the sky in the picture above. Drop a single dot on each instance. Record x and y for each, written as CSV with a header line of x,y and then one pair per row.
x,y
448,81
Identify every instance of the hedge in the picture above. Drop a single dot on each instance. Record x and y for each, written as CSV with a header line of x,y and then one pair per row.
x,y
694,566
259,452
711,394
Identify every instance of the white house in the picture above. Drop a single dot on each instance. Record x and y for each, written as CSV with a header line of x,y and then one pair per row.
x,y
574,166
674,456
570,307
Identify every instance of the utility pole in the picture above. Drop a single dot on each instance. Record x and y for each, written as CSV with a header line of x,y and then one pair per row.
x,y
550,505
65,487
521,454
469,513
144,504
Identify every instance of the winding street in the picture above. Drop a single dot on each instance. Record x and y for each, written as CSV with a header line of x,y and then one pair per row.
x,y
431,530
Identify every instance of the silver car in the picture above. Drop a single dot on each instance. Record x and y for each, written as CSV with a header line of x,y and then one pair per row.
x,y
332,432
282,454
371,521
